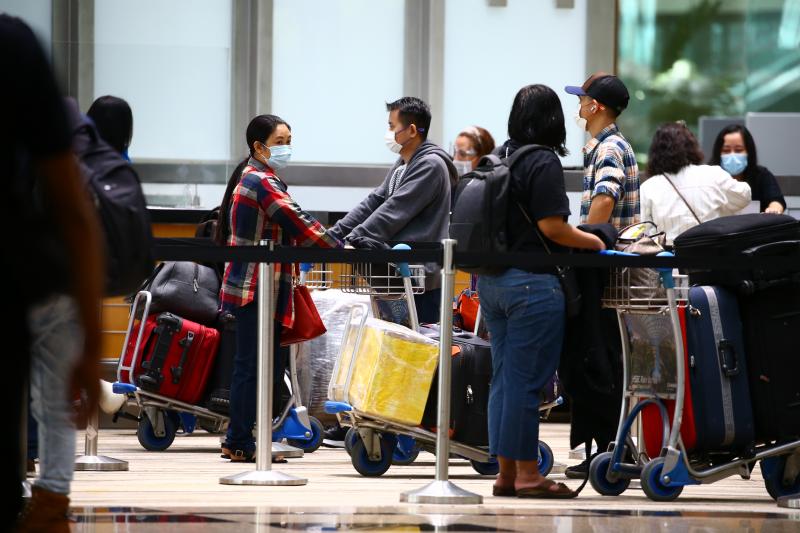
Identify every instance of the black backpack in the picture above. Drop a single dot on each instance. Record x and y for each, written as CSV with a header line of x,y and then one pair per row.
x,y
117,195
479,218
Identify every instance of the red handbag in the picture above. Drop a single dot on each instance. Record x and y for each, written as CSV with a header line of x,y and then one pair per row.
x,y
307,322
467,308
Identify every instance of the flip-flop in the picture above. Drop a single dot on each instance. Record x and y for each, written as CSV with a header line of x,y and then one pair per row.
x,y
546,492
504,491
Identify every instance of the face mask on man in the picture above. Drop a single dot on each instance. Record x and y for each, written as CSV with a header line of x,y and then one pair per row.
x,y
280,155
391,141
463,167
734,164
579,120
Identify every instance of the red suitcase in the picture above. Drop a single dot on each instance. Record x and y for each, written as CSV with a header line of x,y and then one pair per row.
x,y
175,357
651,420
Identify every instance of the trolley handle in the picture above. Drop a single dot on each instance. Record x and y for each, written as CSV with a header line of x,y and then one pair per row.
x,y
666,273
305,268
403,268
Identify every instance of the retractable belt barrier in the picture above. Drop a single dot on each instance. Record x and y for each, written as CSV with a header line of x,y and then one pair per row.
x,y
202,250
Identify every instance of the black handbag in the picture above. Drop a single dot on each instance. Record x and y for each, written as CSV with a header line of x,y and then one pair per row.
x,y
189,290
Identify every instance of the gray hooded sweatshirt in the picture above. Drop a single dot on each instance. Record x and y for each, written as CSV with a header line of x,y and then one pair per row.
x,y
417,210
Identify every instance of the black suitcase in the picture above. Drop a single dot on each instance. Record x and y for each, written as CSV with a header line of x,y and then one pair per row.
x,y
471,376
771,319
217,397
733,236
718,372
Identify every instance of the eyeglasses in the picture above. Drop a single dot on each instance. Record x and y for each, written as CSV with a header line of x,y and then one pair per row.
x,y
464,153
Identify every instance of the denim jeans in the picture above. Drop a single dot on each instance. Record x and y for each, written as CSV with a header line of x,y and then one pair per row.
x,y
525,316
56,344
244,391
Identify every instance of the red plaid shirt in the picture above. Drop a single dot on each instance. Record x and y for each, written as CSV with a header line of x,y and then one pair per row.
x,y
262,209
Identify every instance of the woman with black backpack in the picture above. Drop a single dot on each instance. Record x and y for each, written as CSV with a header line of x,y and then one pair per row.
x,y
524,307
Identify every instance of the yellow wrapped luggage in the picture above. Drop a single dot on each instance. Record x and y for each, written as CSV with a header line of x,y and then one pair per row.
x,y
393,367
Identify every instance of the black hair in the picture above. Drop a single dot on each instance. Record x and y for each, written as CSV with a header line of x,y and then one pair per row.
x,y
749,145
259,129
114,120
674,147
536,118
412,110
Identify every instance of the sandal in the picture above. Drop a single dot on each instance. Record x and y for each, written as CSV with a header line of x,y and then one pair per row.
x,y
545,491
504,491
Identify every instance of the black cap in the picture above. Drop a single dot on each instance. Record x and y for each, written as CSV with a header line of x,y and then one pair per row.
x,y
605,88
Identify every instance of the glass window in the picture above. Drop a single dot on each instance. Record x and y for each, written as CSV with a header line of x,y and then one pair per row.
x,y
685,59
38,14
335,65
172,62
492,52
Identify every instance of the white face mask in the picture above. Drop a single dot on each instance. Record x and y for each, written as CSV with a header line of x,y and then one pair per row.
x,y
463,167
391,143
579,120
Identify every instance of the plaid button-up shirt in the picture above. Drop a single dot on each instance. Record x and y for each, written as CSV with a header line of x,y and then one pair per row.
x,y
262,209
610,168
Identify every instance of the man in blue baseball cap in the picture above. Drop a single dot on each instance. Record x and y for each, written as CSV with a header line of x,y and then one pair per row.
x,y
610,194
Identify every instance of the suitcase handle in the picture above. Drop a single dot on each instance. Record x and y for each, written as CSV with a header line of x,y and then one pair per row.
x,y
186,344
726,347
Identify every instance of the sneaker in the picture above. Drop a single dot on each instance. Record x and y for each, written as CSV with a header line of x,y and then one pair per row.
x,y
578,471
334,437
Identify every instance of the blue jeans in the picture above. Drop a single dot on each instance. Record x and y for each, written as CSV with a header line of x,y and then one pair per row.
x,y
56,343
244,392
525,316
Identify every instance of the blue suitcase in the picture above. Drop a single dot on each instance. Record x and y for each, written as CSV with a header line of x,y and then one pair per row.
x,y
718,372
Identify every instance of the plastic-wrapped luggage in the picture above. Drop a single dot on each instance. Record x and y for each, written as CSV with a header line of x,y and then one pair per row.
x,y
391,374
317,357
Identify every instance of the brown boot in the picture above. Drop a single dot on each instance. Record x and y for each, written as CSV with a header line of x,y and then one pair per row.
x,y
45,512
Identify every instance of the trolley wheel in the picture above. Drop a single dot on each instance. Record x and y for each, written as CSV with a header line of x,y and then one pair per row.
x,y
311,444
546,458
147,435
772,470
350,438
490,468
598,469
652,484
366,466
405,452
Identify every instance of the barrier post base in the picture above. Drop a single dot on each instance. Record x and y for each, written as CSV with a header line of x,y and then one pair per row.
x,y
790,502
442,492
289,452
99,463
263,478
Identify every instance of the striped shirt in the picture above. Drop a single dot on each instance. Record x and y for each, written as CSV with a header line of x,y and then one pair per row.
x,y
262,209
610,168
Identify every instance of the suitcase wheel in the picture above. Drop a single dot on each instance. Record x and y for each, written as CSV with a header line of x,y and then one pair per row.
x,y
368,467
147,436
772,469
654,487
598,476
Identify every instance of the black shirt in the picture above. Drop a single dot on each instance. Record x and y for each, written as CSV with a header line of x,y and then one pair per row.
x,y
765,187
537,184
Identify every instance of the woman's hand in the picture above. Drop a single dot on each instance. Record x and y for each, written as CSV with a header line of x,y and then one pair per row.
x,y
597,243
774,208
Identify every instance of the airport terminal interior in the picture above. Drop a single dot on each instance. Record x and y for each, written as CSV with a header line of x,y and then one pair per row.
x,y
196,72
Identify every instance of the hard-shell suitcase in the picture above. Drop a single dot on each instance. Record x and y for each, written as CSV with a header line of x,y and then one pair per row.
x,y
771,319
652,427
471,376
217,396
718,371
175,359
731,236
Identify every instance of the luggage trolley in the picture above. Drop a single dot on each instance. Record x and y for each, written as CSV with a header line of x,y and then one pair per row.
x,y
654,370
160,417
374,443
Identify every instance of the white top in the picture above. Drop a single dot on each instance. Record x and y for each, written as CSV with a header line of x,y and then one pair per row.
x,y
710,191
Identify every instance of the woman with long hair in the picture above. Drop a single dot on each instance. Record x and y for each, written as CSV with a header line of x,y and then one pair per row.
x,y
257,206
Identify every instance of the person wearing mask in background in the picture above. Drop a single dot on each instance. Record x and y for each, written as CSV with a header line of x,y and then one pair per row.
x,y
257,206
524,308
114,121
735,151
413,202
35,140
680,192
471,144
610,194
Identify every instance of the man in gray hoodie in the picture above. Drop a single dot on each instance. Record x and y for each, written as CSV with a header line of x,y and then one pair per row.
x,y
412,205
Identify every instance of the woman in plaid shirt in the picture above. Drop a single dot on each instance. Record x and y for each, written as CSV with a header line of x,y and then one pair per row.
x,y
257,206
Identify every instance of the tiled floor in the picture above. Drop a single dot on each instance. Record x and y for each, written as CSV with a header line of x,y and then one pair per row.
x,y
178,490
